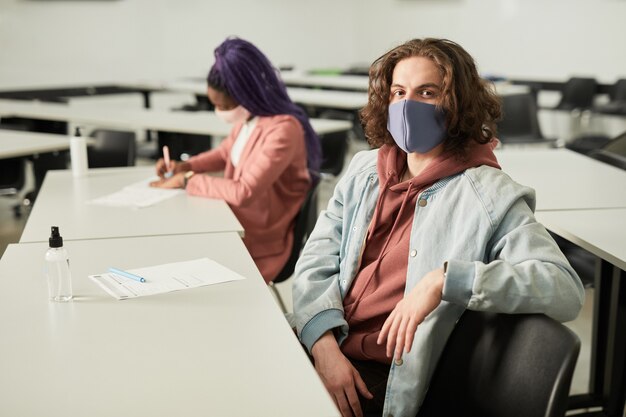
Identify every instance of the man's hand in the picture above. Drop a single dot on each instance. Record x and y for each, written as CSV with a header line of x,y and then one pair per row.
x,y
401,325
340,378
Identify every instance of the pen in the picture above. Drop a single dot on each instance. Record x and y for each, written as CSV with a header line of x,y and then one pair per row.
x,y
127,274
166,158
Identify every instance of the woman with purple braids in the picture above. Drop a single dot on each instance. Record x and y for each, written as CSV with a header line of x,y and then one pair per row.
x,y
270,159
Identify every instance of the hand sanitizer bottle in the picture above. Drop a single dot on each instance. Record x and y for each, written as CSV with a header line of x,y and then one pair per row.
x,y
58,269
78,154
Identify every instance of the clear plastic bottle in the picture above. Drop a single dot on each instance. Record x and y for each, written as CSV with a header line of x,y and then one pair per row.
x,y
58,269
78,154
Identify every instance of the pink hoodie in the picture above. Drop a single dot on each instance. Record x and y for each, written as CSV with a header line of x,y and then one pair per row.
x,y
379,284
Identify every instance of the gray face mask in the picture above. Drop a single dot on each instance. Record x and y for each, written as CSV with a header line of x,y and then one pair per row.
x,y
416,126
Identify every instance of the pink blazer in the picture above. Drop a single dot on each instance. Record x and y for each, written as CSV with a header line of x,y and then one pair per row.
x,y
265,190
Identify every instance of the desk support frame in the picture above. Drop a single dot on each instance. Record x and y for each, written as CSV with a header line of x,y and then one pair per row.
x,y
608,346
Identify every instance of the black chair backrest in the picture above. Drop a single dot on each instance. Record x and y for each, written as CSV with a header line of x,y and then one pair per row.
x,y
578,93
610,158
497,365
618,91
180,144
12,175
617,145
113,148
12,170
613,152
519,119
334,149
305,220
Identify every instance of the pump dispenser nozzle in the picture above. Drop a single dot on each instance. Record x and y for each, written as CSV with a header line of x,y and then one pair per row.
x,y
55,240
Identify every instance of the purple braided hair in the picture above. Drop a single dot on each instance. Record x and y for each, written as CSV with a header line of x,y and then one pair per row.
x,y
243,72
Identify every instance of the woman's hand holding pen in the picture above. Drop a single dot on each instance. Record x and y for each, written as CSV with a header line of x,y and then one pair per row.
x,y
174,167
401,325
175,181
340,378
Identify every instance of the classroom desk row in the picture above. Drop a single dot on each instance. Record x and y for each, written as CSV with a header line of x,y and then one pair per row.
x,y
222,349
15,143
201,122
584,201
64,200
314,97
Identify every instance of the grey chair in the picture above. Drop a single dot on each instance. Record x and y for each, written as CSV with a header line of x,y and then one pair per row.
x,y
112,148
501,365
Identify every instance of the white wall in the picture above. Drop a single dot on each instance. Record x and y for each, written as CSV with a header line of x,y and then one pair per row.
x,y
518,38
54,42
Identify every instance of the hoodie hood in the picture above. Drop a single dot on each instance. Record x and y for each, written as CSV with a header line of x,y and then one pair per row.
x,y
391,165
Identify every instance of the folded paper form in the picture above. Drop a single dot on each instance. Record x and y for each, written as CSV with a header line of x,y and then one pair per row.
x,y
165,278
138,195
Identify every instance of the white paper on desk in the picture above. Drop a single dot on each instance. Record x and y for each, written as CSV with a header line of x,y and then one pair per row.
x,y
165,278
138,195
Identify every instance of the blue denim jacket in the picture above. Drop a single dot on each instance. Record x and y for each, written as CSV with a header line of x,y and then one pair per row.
x,y
480,221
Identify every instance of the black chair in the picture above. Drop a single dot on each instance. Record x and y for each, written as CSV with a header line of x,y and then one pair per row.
x,y
13,173
12,170
12,180
305,220
614,152
351,116
44,162
112,148
334,150
577,94
585,144
617,100
519,123
183,145
501,365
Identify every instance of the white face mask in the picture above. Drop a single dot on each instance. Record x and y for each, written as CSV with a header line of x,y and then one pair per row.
x,y
237,115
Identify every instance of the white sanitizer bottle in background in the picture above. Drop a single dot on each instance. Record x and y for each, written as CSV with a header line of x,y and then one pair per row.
x,y
58,269
78,154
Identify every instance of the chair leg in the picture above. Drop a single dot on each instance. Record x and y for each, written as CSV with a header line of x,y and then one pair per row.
x,y
278,297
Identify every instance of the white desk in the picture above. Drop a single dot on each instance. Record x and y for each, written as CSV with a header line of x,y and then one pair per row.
x,y
14,143
201,122
340,82
63,199
603,233
335,99
361,82
221,350
565,180
584,201
345,100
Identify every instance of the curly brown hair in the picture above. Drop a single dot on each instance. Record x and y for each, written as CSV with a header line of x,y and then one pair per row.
x,y
471,105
